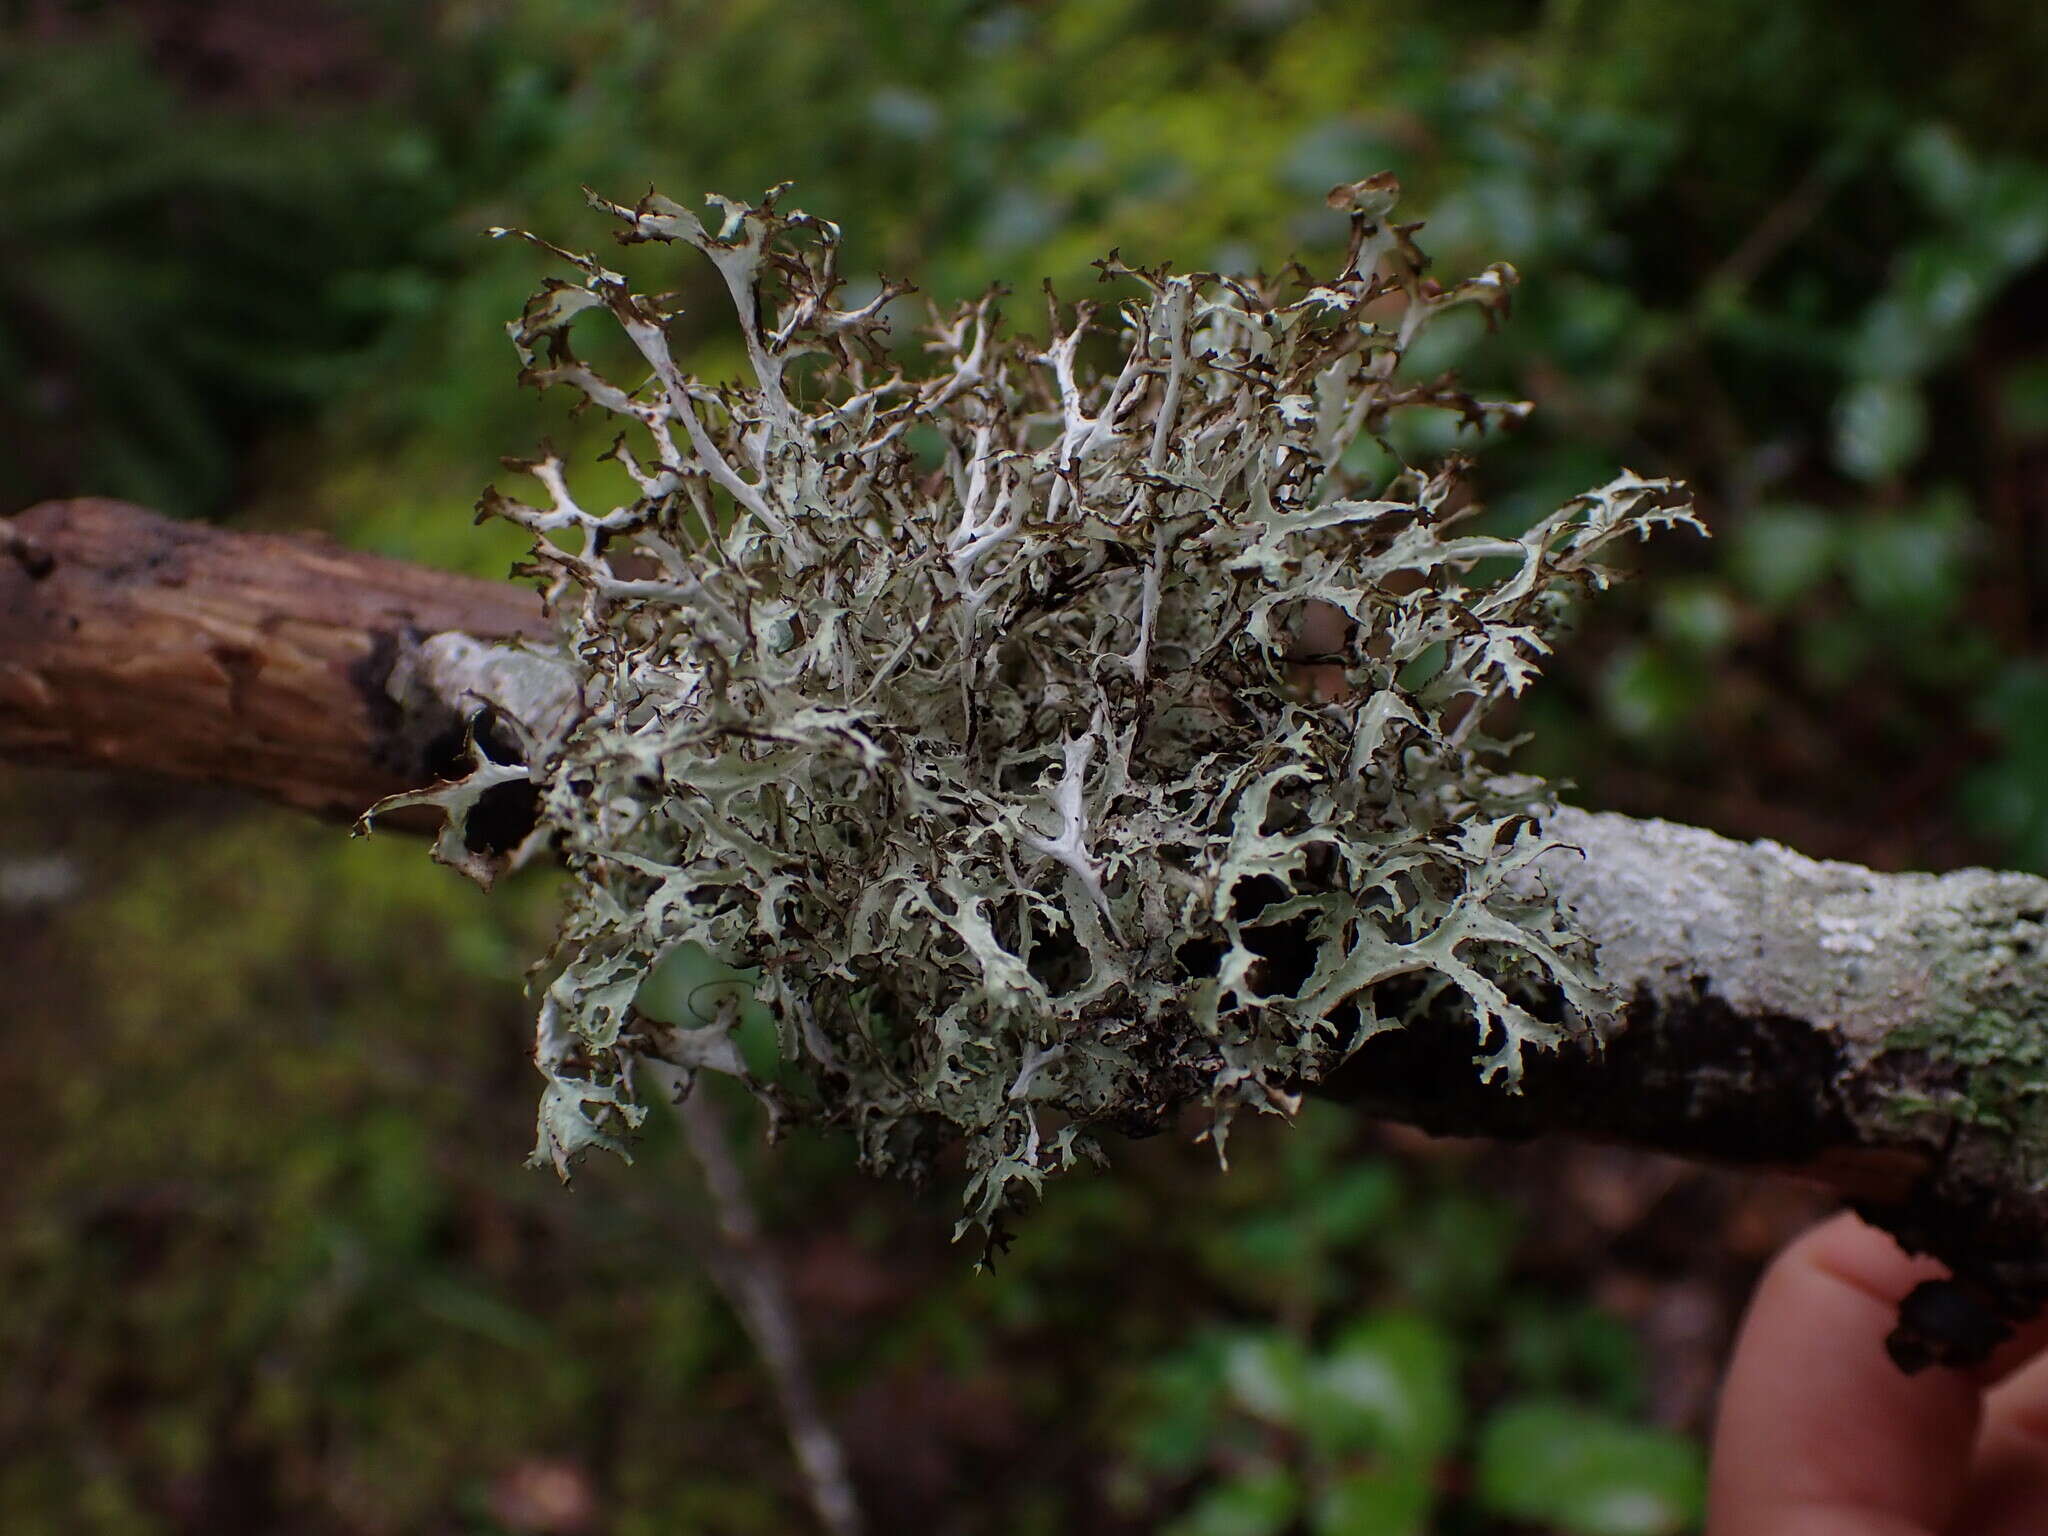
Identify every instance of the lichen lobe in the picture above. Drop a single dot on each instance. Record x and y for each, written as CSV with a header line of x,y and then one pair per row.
x,y
968,710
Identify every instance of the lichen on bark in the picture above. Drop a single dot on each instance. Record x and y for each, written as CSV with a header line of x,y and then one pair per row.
x,y
1885,1032
967,709
1925,996
1984,1027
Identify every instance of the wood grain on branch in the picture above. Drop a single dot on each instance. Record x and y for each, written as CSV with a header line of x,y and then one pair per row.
x,y
130,641
1885,1033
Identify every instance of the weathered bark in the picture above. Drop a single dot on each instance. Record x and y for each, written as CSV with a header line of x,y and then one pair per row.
x,y
129,641
1885,1033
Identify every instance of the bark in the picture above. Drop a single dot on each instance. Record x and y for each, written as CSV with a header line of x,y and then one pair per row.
x,y
129,641
1885,1033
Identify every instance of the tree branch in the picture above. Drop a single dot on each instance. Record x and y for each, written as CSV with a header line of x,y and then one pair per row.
x,y
1885,1033
747,1274
129,641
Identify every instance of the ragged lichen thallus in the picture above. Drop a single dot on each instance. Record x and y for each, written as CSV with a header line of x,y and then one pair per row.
x,y
960,704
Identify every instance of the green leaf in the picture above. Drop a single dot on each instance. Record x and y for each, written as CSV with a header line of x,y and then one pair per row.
x,y
1268,1252
1557,1465
1389,1383
1695,616
1892,341
1645,693
1554,1349
1268,1375
1833,648
2024,399
1939,291
1778,553
1387,1501
1938,166
1352,1202
1172,1431
1453,1261
1258,1503
2010,224
2007,797
1880,428
1909,567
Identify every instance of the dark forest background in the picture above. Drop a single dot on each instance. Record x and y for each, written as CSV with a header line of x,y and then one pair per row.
x,y
268,1258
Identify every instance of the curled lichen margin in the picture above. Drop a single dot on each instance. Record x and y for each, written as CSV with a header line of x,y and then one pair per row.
x,y
1069,731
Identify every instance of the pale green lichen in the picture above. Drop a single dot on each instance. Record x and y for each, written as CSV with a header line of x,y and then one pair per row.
x,y
1985,1025
982,713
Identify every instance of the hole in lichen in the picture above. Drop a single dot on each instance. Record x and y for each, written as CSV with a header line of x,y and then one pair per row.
x,y
1253,894
1287,955
503,817
1200,958
1061,967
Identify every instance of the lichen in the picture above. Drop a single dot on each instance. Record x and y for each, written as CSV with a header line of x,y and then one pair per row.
x,y
1984,1027
1062,733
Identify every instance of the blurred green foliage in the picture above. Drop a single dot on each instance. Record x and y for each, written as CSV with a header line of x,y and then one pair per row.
x,y
1340,1422
267,1257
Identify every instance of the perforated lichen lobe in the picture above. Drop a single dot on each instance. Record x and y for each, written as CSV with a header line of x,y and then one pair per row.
x,y
989,714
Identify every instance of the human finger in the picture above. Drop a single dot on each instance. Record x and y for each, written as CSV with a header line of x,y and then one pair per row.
x,y
1818,1433
2009,1479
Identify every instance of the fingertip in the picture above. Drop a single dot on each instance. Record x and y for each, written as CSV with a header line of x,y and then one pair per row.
x,y
1866,1259
1814,1416
1859,1256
